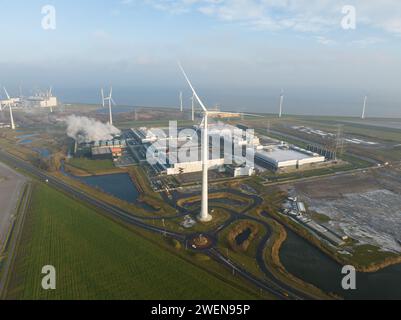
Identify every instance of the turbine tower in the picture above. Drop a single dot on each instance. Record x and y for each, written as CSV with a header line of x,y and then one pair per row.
x,y
48,95
9,102
193,108
281,104
364,108
109,98
181,102
204,215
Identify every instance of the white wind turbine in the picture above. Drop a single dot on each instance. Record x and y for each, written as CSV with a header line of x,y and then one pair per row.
x,y
9,103
109,98
48,95
204,215
193,107
181,102
365,101
281,104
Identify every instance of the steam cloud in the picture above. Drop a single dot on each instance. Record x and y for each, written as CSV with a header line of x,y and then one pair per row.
x,y
84,129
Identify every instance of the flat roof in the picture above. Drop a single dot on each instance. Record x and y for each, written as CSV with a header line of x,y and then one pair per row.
x,y
101,151
281,155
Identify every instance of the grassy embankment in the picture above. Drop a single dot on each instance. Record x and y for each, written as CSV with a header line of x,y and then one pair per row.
x,y
273,263
87,167
96,258
365,258
244,258
147,197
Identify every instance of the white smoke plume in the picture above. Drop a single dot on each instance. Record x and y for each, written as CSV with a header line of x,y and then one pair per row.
x,y
84,129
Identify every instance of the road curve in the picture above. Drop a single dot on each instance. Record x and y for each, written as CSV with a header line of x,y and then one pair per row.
x,y
271,287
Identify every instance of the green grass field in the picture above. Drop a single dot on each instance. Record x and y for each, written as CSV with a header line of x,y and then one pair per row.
x,y
91,165
97,258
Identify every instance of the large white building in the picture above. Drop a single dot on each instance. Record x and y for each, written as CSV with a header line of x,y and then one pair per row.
x,y
5,103
160,153
42,101
283,156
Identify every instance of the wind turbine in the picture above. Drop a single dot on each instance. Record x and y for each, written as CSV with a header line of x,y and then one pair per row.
x,y
193,107
48,95
364,107
109,98
9,103
204,215
281,103
181,102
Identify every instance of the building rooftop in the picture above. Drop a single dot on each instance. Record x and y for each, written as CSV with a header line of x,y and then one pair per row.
x,y
282,155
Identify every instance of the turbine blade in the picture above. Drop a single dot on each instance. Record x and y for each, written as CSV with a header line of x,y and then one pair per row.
x,y
252,115
192,88
5,90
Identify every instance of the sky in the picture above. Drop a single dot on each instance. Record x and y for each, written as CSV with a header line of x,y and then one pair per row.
x,y
238,53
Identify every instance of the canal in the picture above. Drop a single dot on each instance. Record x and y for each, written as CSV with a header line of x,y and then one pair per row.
x,y
311,265
118,185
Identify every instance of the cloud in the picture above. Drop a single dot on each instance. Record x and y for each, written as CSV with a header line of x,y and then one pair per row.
x,y
297,15
325,41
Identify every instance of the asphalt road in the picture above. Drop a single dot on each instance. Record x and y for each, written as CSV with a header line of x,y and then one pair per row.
x,y
11,185
13,241
273,286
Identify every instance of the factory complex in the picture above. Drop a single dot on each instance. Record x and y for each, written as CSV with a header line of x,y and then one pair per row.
x,y
233,149
38,100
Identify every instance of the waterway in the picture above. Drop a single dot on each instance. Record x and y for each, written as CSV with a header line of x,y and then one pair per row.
x,y
118,185
311,265
243,236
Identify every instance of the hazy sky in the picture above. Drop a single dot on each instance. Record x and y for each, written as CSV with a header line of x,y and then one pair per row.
x,y
238,53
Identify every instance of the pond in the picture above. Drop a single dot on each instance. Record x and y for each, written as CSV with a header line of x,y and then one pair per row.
x,y
44,153
25,141
118,185
311,265
243,236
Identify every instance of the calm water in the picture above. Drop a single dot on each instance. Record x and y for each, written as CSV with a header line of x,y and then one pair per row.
x,y
44,153
27,136
26,141
119,185
242,237
308,263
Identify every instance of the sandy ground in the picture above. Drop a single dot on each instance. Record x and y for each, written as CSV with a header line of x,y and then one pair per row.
x,y
366,207
11,184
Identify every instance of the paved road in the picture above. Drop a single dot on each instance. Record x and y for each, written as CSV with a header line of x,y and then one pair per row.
x,y
11,186
272,285
13,241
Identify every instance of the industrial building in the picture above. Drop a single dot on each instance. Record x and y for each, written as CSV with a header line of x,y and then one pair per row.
x,y
157,149
103,150
284,156
42,101
157,146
